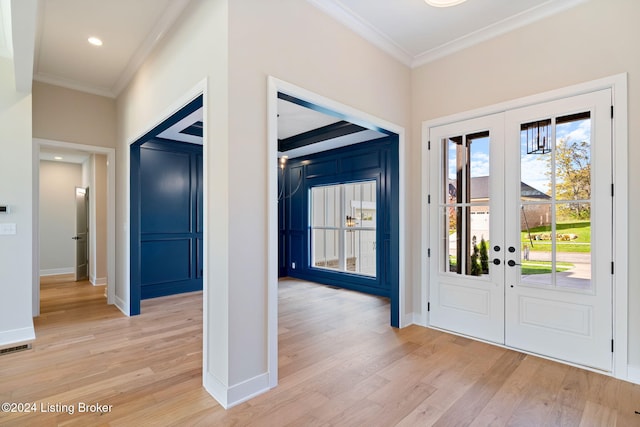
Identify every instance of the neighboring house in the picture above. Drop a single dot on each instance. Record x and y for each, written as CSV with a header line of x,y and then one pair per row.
x,y
534,215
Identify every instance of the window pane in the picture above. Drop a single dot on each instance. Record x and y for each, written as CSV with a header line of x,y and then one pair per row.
x,y
535,170
479,244
573,158
343,223
317,206
536,244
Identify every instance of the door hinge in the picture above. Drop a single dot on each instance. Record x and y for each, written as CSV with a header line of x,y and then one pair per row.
x,y
612,111
429,252
612,267
428,145
611,190
428,306
429,199
611,346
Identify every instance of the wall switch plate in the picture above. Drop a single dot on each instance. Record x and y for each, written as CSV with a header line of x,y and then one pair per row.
x,y
7,229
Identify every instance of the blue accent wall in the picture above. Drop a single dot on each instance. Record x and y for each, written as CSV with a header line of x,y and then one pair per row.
x,y
377,160
166,239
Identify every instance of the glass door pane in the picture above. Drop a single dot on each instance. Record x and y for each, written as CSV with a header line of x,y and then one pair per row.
x,y
555,197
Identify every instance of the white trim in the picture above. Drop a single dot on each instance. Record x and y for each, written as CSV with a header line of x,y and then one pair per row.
x,y
633,374
229,397
111,212
360,26
201,88
17,336
494,30
122,306
163,24
98,281
618,85
355,116
351,20
56,271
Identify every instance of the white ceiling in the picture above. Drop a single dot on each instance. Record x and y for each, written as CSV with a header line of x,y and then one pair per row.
x,y
416,33
410,30
128,28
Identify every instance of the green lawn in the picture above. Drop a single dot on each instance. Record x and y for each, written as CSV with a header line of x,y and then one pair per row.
x,y
543,267
582,229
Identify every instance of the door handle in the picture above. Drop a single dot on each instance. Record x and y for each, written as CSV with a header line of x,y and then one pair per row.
x,y
75,238
512,263
496,261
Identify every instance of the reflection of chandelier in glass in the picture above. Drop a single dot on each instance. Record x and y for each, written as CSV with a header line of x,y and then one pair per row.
x,y
538,136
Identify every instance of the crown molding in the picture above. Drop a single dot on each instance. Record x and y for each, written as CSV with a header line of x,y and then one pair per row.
x,y
351,20
346,16
166,21
514,22
74,85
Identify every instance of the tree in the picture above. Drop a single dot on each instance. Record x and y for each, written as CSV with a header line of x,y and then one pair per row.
x,y
573,176
484,256
476,270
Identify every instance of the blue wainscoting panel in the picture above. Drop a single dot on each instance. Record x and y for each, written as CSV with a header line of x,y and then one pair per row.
x,y
165,180
165,260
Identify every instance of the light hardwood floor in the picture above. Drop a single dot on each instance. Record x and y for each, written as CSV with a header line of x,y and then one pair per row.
x,y
340,365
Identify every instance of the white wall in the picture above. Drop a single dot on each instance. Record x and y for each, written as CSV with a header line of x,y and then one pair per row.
x,y
58,182
590,41
237,45
16,323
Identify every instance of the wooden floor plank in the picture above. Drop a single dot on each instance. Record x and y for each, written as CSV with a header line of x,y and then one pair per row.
x,y
340,365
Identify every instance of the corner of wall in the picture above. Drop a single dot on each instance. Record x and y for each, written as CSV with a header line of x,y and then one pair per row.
x,y
229,397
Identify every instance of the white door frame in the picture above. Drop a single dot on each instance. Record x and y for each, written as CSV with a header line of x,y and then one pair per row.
x,y
273,87
618,86
111,213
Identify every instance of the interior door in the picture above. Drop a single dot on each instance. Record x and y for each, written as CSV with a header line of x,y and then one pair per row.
x,y
82,234
559,229
466,293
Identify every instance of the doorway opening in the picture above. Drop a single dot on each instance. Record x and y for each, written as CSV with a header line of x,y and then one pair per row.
x,y
63,166
305,145
167,201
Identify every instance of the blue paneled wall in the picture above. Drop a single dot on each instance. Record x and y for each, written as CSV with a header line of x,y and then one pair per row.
x,y
171,223
365,161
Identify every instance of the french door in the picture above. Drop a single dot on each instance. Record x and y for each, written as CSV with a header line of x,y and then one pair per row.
x,y
521,229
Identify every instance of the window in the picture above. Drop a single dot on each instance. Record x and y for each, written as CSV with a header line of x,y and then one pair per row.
x,y
343,227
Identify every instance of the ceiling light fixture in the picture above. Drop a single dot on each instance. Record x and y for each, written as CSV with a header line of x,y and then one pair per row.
x,y
57,158
95,41
444,3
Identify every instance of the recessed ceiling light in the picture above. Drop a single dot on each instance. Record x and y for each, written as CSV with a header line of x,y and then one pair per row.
x,y
95,41
57,158
444,3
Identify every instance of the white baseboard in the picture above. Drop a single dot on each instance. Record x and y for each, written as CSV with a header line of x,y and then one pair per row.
x,y
122,306
236,394
15,336
409,319
633,374
98,281
57,271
